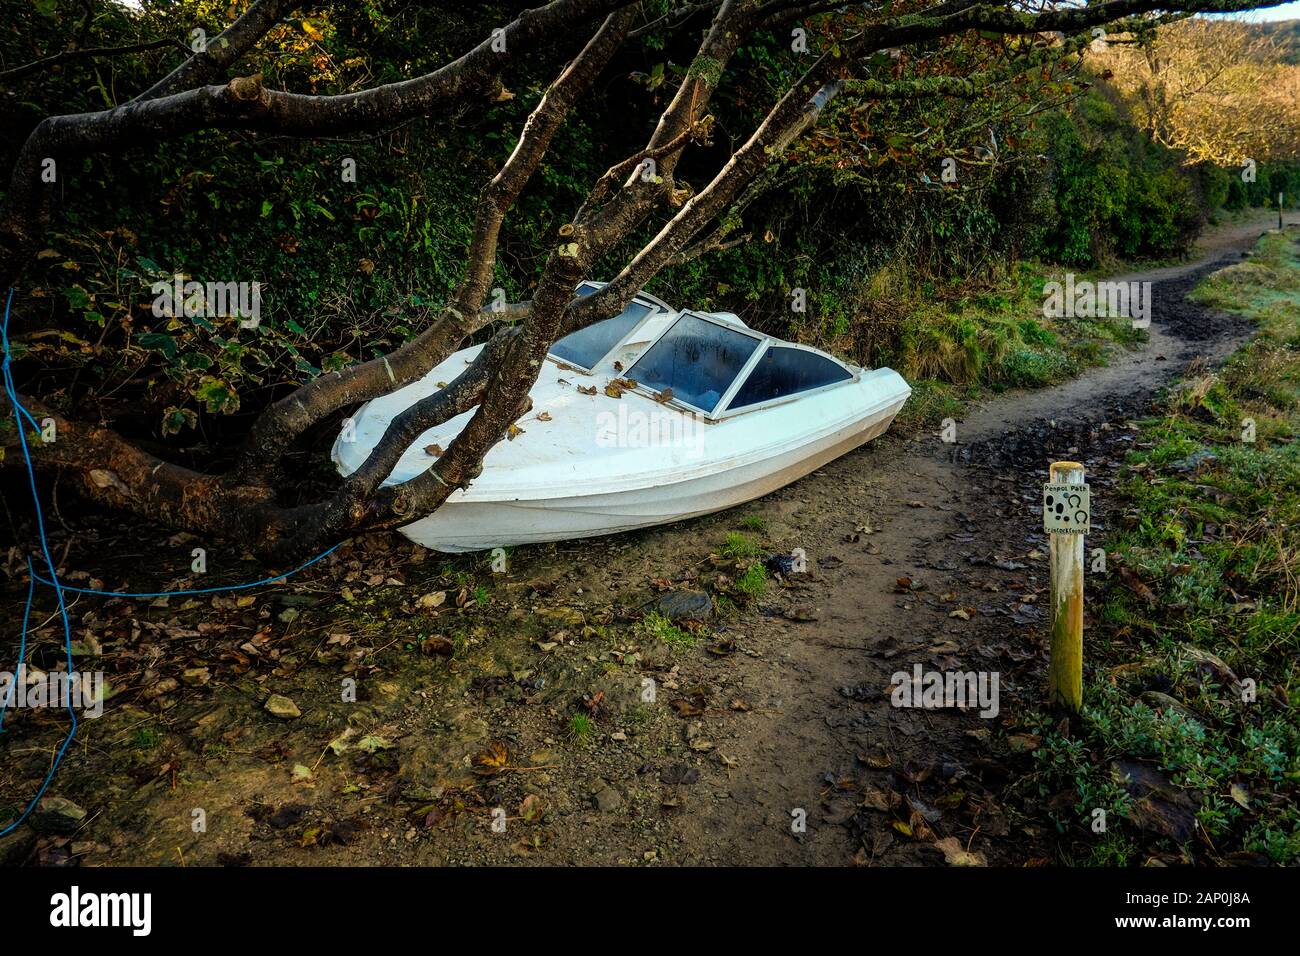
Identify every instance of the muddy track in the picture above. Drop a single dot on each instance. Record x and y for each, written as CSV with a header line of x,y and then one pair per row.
x,y
952,576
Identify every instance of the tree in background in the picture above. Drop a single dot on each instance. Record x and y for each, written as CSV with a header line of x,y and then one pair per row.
x,y
1214,89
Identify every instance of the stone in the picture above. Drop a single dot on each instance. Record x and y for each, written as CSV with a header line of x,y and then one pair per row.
x,y
560,616
57,815
684,605
277,705
607,800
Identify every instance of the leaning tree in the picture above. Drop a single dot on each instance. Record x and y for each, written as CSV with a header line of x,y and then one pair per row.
x,y
207,92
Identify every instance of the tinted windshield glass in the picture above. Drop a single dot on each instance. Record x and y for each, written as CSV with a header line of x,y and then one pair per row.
x,y
588,346
696,359
783,371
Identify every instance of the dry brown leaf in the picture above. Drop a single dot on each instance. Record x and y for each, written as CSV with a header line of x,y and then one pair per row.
x,y
492,761
954,854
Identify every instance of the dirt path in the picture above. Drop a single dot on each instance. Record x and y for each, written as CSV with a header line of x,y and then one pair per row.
x,y
959,522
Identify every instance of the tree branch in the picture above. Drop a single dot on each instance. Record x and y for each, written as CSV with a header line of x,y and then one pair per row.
x,y
17,72
276,429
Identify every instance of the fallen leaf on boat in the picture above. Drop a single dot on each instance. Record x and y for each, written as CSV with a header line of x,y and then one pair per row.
x,y
434,450
543,416
665,396
513,432
588,390
618,386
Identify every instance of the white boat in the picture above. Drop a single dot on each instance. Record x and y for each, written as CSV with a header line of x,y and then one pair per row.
x,y
650,417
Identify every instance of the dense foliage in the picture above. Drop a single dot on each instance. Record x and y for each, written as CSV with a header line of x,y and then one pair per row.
x,y
860,216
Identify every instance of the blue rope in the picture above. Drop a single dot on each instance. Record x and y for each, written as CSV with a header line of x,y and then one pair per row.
x,y
59,588
224,587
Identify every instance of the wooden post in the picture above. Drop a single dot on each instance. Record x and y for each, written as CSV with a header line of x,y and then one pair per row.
x,y
1065,677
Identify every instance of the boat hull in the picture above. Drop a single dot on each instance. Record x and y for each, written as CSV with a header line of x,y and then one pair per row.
x,y
467,525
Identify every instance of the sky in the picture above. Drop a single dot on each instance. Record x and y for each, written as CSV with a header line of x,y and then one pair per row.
x,y
1286,11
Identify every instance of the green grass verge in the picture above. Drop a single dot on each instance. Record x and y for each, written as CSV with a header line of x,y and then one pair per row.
x,y
1206,561
954,346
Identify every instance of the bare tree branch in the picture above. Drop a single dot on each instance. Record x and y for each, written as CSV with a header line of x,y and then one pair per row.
x,y
224,50
36,66
283,422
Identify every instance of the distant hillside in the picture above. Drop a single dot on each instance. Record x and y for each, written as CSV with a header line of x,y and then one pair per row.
x,y
1287,36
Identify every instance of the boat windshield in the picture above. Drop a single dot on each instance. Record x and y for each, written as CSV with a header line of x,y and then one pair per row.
x,y
586,347
784,371
697,359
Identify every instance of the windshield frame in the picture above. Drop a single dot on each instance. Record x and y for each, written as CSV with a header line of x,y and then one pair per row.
x,y
675,402
658,308
721,409
855,375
